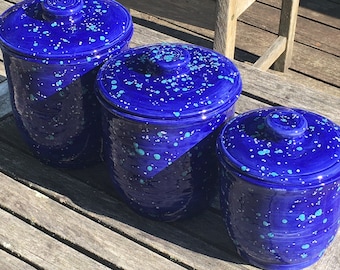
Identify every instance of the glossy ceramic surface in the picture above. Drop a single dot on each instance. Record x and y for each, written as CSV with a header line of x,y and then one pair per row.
x,y
163,106
52,51
280,185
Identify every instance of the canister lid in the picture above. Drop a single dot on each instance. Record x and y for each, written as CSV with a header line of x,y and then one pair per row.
x,y
59,30
284,146
169,81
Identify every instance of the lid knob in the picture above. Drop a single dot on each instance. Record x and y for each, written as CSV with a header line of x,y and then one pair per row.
x,y
62,9
170,59
286,123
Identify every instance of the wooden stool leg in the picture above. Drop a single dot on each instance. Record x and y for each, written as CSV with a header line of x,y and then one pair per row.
x,y
289,13
225,28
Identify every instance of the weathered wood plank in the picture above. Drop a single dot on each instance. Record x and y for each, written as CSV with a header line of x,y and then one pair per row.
x,y
308,32
183,246
314,63
5,106
323,12
2,69
77,229
272,54
246,103
272,88
22,238
9,262
143,36
4,5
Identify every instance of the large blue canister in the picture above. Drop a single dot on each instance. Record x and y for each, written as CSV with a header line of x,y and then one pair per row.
x,y
163,105
52,51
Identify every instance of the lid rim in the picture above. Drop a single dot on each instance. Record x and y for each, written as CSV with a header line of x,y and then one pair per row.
x,y
214,110
312,176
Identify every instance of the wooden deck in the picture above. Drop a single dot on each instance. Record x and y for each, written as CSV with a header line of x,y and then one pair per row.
x,y
70,219
316,56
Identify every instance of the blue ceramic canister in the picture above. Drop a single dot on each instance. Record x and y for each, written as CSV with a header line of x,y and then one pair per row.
x,y
52,51
163,106
280,185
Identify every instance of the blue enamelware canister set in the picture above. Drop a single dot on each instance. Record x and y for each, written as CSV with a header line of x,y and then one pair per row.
x,y
162,116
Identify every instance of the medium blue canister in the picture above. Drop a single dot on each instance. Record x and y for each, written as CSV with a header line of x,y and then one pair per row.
x,y
162,108
280,185
52,51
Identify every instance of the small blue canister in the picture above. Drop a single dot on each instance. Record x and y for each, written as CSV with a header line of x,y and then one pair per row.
x,y
280,185
162,109
52,51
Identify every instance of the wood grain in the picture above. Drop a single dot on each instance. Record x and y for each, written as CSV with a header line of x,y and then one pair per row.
x,y
80,231
184,246
265,86
225,28
9,262
5,106
324,12
36,246
242,6
272,54
308,32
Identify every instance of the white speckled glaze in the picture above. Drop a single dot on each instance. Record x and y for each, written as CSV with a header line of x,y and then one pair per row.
x,y
280,185
52,51
163,106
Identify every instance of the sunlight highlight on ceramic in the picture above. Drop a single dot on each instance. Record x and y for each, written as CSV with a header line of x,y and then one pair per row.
x,y
280,186
163,106
52,51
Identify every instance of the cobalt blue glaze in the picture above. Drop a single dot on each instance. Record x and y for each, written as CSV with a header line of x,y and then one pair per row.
x,y
280,185
52,51
162,109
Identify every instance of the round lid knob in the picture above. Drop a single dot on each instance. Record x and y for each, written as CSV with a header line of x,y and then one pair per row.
x,y
286,123
170,59
62,8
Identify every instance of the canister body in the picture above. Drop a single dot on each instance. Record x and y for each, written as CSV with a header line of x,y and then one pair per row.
x,y
184,185
163,106
277,228
56,110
